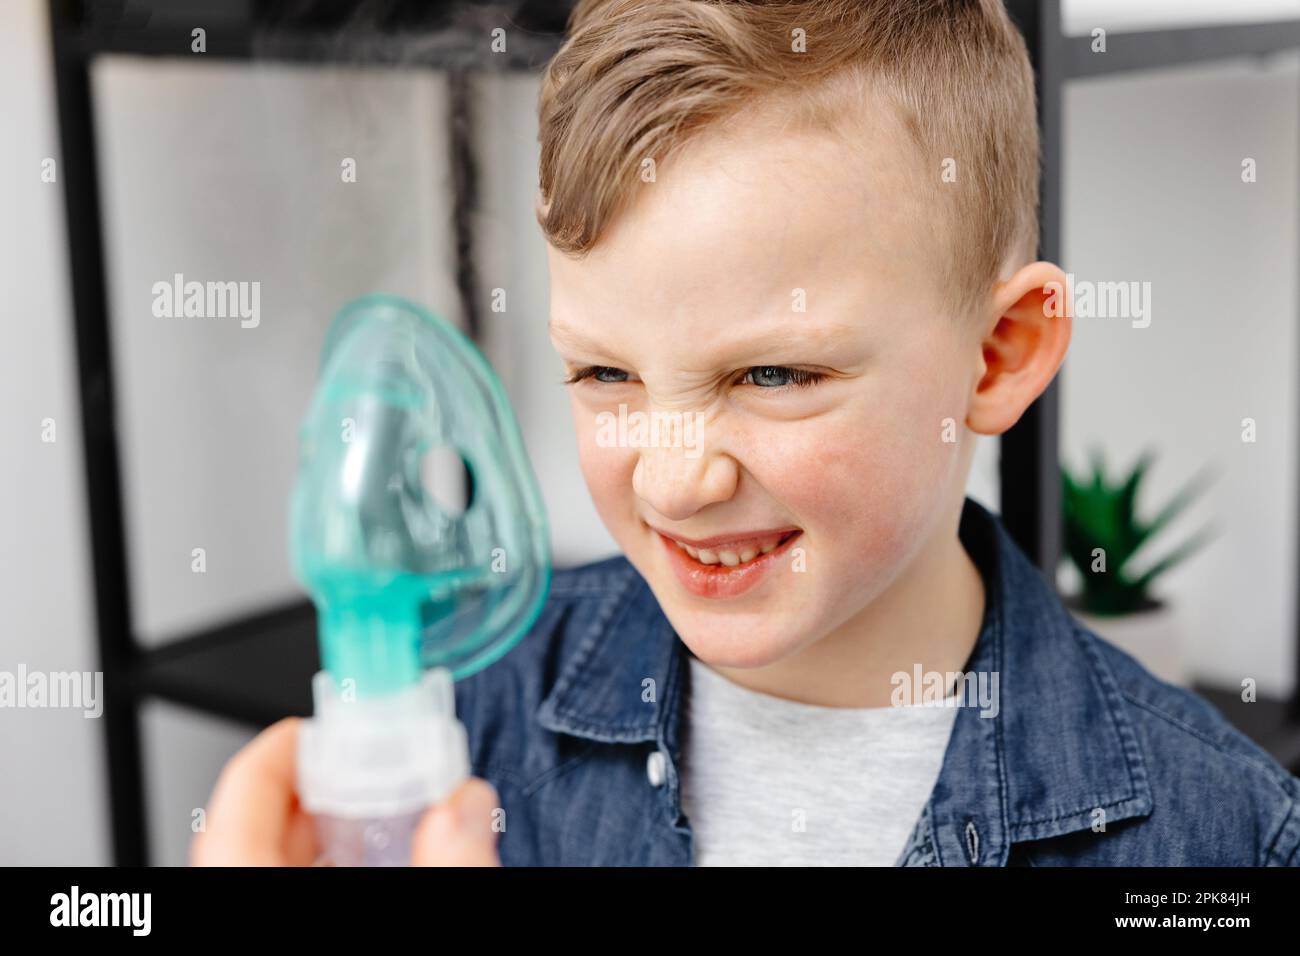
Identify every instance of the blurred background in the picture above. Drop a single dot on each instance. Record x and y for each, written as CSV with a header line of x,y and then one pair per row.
x,y
226,164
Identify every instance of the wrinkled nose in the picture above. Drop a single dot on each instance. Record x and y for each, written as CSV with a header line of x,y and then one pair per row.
x,y
678,481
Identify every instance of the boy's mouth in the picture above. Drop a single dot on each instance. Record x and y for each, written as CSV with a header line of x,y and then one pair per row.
x,y
726,565
730,550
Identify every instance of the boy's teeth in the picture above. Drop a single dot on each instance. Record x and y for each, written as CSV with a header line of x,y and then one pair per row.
x,y
729,558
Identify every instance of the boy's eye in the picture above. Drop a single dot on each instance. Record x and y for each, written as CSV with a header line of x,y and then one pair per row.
x,y
601,373
778,376
763,376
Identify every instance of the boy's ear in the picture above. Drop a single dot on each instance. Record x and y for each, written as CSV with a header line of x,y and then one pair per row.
x,y
1023,346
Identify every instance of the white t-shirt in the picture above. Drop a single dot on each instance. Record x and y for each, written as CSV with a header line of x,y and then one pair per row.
x,y
773,782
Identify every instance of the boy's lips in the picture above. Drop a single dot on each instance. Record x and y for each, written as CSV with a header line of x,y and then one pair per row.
x,y
722,574
733,541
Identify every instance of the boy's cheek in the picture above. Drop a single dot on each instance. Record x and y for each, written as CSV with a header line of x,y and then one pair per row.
x,y
608,474
865,493
600,465
832,471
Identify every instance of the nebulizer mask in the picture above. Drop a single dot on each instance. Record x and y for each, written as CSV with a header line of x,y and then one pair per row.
x,y
418,529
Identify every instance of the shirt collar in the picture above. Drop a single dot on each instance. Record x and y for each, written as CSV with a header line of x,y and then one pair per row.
x,y
1060,755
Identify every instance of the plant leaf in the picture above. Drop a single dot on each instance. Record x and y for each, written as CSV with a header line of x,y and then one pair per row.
x,y
1129,530
1185,496
1188,547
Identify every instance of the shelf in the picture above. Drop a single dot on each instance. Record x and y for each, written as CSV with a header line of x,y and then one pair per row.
x,y
1154,49
254,671
429,40
411,34
1270,723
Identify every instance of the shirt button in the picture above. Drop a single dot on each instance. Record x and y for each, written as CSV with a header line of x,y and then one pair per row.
x,y
655,768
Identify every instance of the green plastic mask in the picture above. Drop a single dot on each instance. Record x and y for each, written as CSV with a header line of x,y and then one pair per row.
x,y
403,579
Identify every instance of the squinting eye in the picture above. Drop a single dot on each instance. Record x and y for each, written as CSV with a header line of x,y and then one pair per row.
x,y
599,373
778,376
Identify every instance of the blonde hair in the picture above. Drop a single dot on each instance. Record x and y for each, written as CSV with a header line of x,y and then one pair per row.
x,y
637,78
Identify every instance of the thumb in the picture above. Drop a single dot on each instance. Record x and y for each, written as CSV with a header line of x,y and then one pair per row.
x,y
459,831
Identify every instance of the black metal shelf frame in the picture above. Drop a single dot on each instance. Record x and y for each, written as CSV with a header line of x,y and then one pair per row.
x,y
258,669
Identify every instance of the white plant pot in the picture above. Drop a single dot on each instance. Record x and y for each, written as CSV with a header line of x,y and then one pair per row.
x,y
1153,637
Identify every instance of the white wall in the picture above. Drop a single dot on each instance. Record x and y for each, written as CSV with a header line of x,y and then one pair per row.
x,y
214,172
51,790
1154,193
513,258
221,171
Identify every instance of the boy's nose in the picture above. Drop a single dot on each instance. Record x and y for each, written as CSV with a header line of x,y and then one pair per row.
x,y
677,482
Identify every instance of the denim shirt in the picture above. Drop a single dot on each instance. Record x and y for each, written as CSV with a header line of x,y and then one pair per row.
x,y
1088,760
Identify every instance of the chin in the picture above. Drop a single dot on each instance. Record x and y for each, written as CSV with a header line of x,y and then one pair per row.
x,y
725,639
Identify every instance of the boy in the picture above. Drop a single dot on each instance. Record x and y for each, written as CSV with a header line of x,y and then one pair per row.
x,y
802,235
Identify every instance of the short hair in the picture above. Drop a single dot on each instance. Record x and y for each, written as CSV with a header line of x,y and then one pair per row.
x,y
638,78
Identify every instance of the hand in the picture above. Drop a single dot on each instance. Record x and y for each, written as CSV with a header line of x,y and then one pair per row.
x,y
254,817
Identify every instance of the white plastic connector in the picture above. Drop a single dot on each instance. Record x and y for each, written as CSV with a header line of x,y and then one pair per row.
x,y
368,767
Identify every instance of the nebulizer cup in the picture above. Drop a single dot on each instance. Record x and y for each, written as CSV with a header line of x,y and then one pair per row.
x,y
418,529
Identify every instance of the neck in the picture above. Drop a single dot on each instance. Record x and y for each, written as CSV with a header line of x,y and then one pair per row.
x,y
929,616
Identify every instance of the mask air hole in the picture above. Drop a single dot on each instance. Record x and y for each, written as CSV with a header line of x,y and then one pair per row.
x,y
446,478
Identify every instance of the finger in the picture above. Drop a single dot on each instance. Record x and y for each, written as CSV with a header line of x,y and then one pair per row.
x,y
459,831
253,802
302,840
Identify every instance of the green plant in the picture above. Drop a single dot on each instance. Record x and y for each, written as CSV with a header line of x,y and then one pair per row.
x,y
1101,515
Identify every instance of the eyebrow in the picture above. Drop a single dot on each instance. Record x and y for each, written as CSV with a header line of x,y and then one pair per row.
x,y
781,337
572,339
558,330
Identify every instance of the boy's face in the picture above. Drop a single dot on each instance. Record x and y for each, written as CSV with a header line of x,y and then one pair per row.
x,y
758,260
